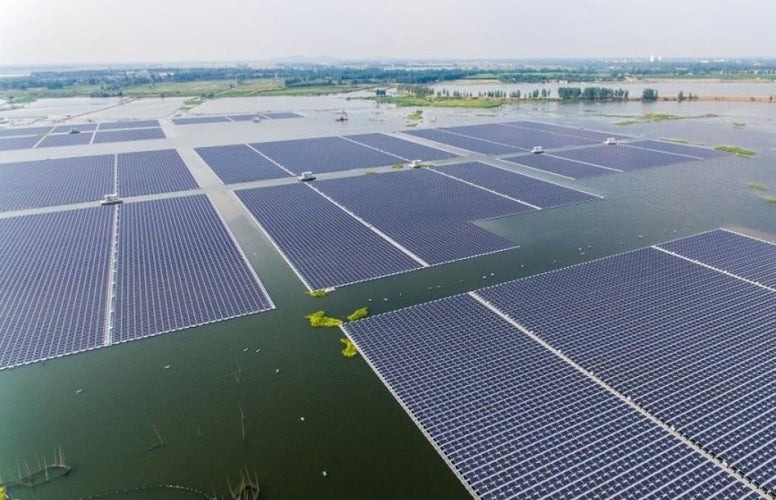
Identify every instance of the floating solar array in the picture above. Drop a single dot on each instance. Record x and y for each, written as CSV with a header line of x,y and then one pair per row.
x,y
324,154
519,137
137,134
282,115
561,166
245,117
523,188
53,283
622,157
239,163
179,267
151,172
197,120
463,142
81,127
501,380
22,131
570,131
56,140
43,183
325,245
131,124
679,149
11,143
401,148
516,421
428,213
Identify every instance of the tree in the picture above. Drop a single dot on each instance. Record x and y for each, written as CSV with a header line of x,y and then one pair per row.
x,y
680,96
649,95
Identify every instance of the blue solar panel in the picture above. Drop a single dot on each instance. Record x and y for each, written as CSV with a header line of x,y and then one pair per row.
x,y
53,283
179,267
557,165
426,212
463,142
45,183
244,118
593,135
139,134
513,419
622,157
11,143
519,137
327,246
691,345
282,115
21,131
65,140
239,163
746,257
324,154
195,120
668,147
401,148
534,191
130,124
81,127
150,172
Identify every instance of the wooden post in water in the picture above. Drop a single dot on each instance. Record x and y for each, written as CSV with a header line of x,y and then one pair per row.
x,y
242,421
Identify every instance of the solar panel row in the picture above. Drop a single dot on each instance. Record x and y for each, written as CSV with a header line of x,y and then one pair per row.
x,y
22,131
524,139
129,124
194,120
150,172
463,142
11,143
239,163
401,148
689,345
137,134
58,140
561,166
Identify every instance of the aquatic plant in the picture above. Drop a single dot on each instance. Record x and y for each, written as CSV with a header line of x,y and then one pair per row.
x,y
321,292
736,150
318,319
350,349
757,186
358,314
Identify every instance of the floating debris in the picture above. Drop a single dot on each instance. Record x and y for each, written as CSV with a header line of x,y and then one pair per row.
x,y
79,391
245,350
167,367
324,473
277,370
301,419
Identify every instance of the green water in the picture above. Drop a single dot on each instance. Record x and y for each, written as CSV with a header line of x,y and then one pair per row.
x,y
352,427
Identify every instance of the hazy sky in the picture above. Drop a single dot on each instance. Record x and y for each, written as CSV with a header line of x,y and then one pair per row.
x,y
114,31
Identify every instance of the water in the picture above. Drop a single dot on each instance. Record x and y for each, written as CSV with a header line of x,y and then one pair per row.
x,y
352,427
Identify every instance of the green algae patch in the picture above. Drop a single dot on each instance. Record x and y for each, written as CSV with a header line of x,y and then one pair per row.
x,y
738,151
318,319
321,292
350,349
358,314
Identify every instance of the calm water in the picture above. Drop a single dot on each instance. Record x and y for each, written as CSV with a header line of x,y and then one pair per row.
x,y
352,427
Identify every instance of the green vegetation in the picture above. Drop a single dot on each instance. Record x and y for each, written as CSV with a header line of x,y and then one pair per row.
x,y
592,94
678,141
398,166
350,349
770,199
739,124
738,151
660,117
358,314
319,319
415,115
649,95
627,122
757,186
321,292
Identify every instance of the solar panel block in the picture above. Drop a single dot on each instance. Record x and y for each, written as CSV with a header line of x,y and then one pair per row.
x,y
195,120
324,154
593,135
239,163
11,143
65,140
44,183
139,134
691,345
282,115
245,118
53,284
513,419
463,142
521,187
427,213
179,267
401,148
129,124
81,127
326,246
151,172
560,166
622,157
681,149
747,257
22,131
519,137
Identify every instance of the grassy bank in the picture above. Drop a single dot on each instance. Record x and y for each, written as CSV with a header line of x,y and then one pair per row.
x,y
736,150
445,102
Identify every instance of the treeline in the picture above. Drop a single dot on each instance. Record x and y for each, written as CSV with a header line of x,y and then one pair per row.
x,y
592,94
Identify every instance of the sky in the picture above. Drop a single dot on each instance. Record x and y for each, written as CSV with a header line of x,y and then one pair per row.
x,y
36,32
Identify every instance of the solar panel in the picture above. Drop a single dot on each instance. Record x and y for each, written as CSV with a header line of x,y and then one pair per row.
x,y
11,143
513,419
668,147
534,191
426,212
179,267
593,135
325,245
401,148
324,154
196,120
129,124
44,183
81,127
244,118
21,131
239,163
282,115
742,256
560,166
53,283
65,140
621,157
692,346
462,142
519,137
139,134
150,172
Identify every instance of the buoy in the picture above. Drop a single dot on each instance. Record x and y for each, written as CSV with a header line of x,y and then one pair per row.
x,y
370,300
301,419
277,370
324,473
385,299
